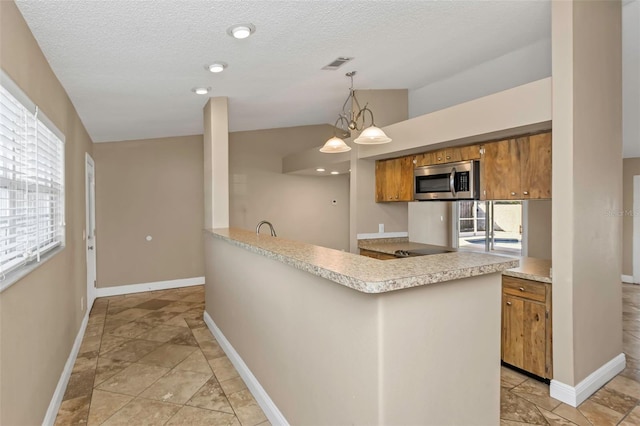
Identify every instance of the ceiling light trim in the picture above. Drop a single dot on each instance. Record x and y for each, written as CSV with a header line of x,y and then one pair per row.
x,y
241,31
216,67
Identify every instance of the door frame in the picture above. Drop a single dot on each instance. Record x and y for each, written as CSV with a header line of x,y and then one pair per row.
x,y
90,242
635,248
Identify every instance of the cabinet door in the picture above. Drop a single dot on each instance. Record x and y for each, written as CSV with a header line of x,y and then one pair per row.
x,y
512,330
534,338
394,179
536,166
425,159
469,152
500,171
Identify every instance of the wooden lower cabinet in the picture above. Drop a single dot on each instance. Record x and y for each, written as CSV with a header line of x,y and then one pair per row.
x,y
377,254
526,326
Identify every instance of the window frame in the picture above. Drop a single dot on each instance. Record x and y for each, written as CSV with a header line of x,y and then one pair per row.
x,y
38,126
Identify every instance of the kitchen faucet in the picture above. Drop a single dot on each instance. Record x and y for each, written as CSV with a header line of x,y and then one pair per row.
x,y
263,222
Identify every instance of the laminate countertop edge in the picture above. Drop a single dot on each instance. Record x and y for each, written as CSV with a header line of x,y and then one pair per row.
x,y
362,273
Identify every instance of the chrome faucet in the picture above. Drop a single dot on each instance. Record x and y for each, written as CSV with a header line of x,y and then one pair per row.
x,y
263,222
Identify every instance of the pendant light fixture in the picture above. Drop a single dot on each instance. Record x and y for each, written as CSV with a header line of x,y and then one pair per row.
x,y
351,119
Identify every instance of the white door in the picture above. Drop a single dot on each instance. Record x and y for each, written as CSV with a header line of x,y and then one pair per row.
x,y
635,249
90,231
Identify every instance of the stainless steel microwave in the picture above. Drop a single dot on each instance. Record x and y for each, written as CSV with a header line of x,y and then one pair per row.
x,y
451,181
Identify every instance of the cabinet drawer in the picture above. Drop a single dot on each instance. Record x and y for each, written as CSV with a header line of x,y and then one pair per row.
x,y
523,288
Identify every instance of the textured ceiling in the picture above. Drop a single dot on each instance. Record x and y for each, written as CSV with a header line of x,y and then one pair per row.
x,y
129,66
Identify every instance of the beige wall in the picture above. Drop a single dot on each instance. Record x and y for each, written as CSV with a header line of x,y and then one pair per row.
x,y
539,229
40,315
388,106
216,163
154,188
587,159
630,168
299,207
430,222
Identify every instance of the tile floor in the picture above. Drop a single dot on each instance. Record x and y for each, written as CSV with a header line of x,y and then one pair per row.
x,y
148,358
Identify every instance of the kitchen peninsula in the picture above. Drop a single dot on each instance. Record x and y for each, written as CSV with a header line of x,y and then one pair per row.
x,y
337,338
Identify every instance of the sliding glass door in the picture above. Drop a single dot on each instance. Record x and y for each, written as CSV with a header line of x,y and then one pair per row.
x,y
491,226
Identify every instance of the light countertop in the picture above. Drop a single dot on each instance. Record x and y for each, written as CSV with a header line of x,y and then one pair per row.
x,y
530,268
363,273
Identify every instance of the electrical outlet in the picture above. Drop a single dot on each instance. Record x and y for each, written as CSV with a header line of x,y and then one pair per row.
x,y
381,228
82,303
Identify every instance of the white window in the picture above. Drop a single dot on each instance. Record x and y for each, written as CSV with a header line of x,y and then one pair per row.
x,y
31,182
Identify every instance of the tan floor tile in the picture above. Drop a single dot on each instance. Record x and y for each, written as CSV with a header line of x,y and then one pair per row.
x,y
233,385
143,412
512,407
132,350
199,417
177,307
111,324
80,384
195,321
246,408
615,400
177,387
536,392
185,337
94,330
110,342
511,423
177,321
195,362
211,350
156,318
160,333
73,411
554,419
168,355
107,368
632,419
104,405
132,314
85,361
131,330
223,369
572,414
625,385
90,344
598,414
153,304
211,397
265,423
133,379
510,378
203,335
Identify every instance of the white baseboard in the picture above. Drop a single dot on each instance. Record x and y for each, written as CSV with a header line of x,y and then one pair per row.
x,y
575,396
262,398
153,286
628,279
56,400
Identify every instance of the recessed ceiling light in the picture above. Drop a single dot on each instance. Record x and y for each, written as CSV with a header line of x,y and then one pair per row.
x,y
319,169
241,31
335,173
201,90
217,66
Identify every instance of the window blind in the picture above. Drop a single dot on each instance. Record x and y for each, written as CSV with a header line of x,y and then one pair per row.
x,y
31,183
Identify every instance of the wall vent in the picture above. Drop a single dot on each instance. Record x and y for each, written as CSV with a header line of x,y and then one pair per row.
x,y
337,63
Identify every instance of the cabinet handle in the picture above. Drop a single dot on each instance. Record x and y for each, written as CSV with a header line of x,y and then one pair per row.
x,y
448,157
526,192
508,303
439,158
513,193
521,289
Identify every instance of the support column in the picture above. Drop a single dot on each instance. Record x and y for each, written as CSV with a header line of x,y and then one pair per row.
x,y
216,163
587,188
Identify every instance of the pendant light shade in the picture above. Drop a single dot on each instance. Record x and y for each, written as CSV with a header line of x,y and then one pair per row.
x,y
335,145
372,136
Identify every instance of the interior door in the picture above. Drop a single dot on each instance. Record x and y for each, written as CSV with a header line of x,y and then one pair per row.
x,y
90,229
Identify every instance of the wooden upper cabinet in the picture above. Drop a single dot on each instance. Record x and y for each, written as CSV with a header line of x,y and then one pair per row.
x,y
500,171
448,155
516,169
535,171
394,179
